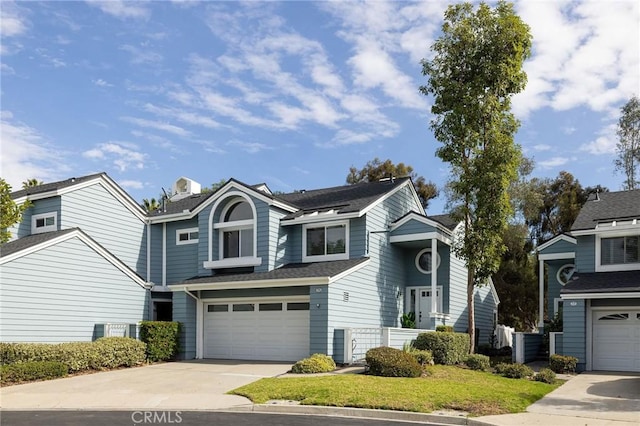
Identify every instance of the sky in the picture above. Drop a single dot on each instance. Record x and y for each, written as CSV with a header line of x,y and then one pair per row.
x,y
291,93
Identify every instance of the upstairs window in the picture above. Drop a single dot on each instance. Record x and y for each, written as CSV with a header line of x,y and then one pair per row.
x,y
325,242
620,250
236,231
45,222
187,236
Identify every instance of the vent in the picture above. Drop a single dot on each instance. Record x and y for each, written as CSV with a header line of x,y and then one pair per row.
x,y
345,296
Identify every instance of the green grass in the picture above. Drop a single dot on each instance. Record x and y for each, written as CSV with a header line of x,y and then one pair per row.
x,y
447,387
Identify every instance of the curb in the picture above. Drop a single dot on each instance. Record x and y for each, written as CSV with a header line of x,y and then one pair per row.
x,y
354,412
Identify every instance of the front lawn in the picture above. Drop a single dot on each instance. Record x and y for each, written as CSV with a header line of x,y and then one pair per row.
x,y
447,387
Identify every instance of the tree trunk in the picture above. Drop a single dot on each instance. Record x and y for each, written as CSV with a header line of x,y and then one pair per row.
x,y
471,311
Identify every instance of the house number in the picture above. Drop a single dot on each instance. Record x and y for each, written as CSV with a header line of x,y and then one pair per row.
x,y
573,303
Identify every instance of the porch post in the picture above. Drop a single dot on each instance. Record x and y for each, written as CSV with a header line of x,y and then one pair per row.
x,y
541,295
434,276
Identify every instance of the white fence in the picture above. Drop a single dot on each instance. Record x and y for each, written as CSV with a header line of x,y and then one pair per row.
x,y
357,341
116,330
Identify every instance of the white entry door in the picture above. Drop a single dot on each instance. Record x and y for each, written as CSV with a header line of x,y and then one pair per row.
x,y
616,340
420,303
257,330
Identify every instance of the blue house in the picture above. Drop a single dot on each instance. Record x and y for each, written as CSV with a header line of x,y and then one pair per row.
x,y
593,278
251,274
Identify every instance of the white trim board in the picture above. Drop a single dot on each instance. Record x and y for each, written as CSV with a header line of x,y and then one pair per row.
x,y
558,238
420,237
77,233
620,295
557,256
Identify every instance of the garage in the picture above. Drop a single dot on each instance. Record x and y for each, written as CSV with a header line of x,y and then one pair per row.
x,y
269,330
616,340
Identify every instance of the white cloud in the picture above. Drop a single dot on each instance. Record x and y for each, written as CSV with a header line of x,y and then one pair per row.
x,y
131,184
542,147
26,154
14,22
123,155
250,147
102,83
184,116
158,141
142,55
604,144
553,162
122,9
165,127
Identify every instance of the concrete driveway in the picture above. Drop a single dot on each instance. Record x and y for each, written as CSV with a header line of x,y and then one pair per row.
x,y
593,398
187,385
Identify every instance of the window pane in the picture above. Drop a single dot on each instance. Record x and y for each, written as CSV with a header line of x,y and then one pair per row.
x,y
218,308
315,241
632,253
243,307
240,211
49,221
425,261
246,242
193,235
336,239
297,306
270,307
231,244
183,237
39,223
612,251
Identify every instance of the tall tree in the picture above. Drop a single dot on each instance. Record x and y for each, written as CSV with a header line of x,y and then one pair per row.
x,y
30,183
628,146
375,170
10,212
476,68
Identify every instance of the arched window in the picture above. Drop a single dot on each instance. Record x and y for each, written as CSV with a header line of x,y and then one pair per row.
x,y
236,230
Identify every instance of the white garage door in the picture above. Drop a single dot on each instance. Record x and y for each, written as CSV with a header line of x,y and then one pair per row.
x,y
616,340
270,331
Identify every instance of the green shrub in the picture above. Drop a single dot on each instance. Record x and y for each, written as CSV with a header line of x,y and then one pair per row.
x,y
546,375
32,370
445,328
514,371
477,362
563,364
447,348
316,363
113,352
423,357
78,356
162,339
390,362
408,320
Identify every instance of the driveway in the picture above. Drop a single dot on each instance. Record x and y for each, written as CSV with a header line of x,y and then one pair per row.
x,y
187,385
593,398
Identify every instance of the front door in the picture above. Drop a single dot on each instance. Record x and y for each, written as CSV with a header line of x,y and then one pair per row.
x,y
420,303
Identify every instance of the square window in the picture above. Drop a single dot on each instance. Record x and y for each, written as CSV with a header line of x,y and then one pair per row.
x,y
326,242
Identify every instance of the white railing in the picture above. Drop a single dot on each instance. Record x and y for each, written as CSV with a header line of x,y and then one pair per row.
x,y
504,336
357,341
363,339
116,330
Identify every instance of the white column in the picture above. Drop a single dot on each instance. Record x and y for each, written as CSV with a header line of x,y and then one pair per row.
x,y
199,329
148,252
434,275
541,295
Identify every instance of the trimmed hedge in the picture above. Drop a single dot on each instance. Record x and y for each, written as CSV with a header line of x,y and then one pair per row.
x,y
162,339
445,328
33,370
447,348
390,362
545,375
563,364
514,371
316,363
478,362
104,353
423,357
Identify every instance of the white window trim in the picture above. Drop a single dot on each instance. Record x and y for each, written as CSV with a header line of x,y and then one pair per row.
x,y
556,305
326,257
49,228
618,267
233,262
417,261
187,231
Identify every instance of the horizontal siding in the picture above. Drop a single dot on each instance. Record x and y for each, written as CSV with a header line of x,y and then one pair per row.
x,y
156,254
413,227
255,292
182,260
586,253
109,222
458,295
561,246
184,312
553,285
59,293
574,330
358,237
319,320
485,305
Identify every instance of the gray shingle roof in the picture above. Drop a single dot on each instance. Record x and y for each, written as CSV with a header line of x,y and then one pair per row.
x,y
29,241
610,206
292,270
53,186
187,203
603,282
343,199
445,220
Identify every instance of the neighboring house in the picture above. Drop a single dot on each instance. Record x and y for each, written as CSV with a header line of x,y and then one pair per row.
x,y
254,275
594,278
